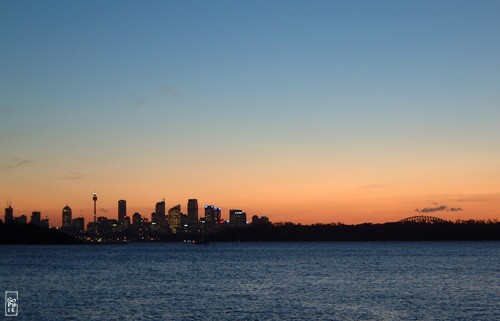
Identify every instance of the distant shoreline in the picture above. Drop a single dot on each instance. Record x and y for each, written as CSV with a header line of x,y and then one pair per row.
x,y
288,232
365,232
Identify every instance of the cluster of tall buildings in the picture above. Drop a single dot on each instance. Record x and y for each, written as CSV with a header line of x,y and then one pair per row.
x,y
161,222
172,221
36,218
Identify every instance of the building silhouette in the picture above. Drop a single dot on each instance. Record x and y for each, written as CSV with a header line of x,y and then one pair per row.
x,y
45,222
192,211
66,217
136,219
140,227
209,214
260,221
94,198
9,214
212,218
237,218
36,218
159,217
104,226
125,224
78,225
21,219
122,210
218,214
174,218
160,209
156,222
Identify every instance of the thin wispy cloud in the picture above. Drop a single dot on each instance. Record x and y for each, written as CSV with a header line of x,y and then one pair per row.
x,y
22,162
432,209
439,208
16,163
103,210
73,175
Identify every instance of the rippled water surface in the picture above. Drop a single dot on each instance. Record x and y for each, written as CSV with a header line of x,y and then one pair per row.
x,y
262,281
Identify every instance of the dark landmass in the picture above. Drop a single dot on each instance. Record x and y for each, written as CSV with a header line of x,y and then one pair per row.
x,y
465,231
14,233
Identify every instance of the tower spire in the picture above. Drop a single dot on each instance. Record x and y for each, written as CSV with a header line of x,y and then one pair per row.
x,y
94,198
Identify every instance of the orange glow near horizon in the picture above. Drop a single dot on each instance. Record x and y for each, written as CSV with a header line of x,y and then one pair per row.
x,y
285,185
286,188
348,208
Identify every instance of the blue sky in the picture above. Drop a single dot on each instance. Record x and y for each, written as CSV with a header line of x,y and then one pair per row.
x,y
98,88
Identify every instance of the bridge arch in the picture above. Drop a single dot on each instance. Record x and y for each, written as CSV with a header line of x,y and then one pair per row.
x,y
423,219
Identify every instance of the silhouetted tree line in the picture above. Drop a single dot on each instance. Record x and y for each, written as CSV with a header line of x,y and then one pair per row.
x,y
458,231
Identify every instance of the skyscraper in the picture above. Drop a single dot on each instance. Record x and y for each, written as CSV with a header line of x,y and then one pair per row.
x,y
66,217
209,213
9,214
122,210
79,225
218,214
237,218
136,219
174,217
192,211
36,217
94,198
160,208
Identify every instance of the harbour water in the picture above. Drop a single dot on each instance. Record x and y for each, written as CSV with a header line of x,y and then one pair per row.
x,y
255,281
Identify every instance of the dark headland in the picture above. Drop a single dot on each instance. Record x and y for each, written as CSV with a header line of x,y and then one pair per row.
x,y
15,233
462,231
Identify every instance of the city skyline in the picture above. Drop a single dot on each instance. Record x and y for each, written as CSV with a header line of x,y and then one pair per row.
x,y
309,112
119,214
192,210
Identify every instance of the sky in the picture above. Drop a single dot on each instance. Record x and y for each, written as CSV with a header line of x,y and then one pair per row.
x,y
302,111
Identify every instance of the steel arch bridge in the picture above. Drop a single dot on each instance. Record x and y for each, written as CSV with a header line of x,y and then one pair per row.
x,y
423,219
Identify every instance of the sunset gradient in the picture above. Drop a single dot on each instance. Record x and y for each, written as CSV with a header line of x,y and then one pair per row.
x,y
303,111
